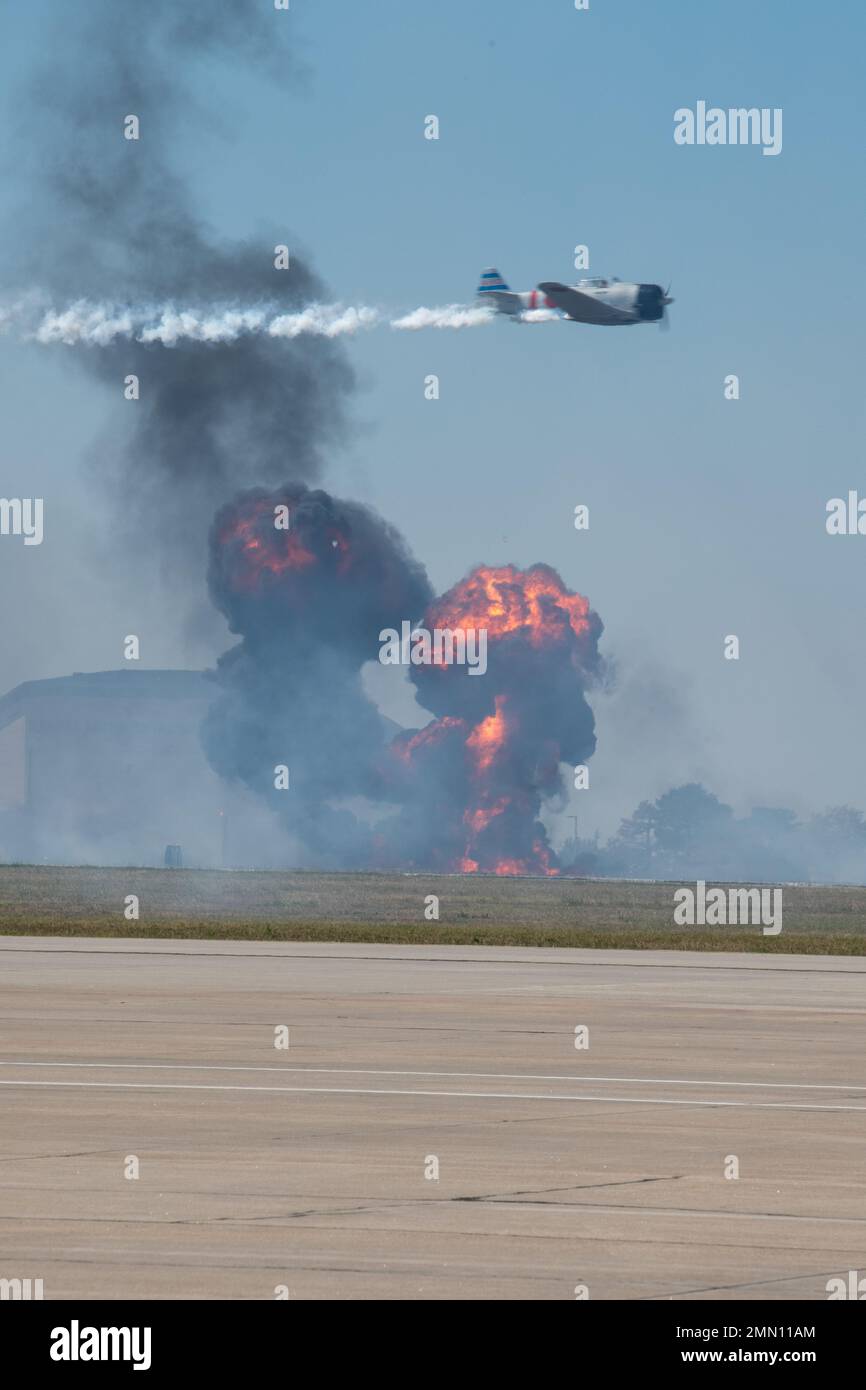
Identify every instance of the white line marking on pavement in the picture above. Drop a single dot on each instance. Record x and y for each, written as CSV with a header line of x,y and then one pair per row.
x,y
455,1075
450,1095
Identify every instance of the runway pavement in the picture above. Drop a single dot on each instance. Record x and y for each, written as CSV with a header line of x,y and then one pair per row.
x,y
431,1131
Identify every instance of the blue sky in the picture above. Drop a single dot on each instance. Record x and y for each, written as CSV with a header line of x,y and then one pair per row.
x,y
556,128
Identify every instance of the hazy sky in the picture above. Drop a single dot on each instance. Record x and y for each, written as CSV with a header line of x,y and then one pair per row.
x,y
707,516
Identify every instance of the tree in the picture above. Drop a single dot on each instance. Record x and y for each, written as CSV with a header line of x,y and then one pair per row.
x,y
690,820
631,849
638,830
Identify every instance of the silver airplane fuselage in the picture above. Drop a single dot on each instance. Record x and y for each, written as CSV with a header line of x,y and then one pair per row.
x,y
607,303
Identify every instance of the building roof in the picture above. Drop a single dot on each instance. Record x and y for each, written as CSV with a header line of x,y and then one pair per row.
x,y
125,684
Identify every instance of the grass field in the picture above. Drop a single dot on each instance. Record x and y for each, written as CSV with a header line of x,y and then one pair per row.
x,y
305,906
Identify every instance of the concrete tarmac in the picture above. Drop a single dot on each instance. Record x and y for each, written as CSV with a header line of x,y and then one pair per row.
x,y
431,1131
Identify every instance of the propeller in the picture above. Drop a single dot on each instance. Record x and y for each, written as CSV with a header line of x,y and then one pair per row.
x,y
664,322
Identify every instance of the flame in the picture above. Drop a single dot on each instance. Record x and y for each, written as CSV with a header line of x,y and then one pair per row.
x,y
538,863
503,600
432,733
490,736
292,555
509,867
543,859
259,547
488,742
480,818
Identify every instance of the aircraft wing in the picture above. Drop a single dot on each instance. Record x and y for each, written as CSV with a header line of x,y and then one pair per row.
x,y
585,308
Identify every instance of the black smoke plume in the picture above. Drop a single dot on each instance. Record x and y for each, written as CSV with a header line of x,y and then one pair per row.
x,y
309,600
112,221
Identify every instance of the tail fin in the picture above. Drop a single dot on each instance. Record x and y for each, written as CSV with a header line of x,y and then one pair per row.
x,y
491,282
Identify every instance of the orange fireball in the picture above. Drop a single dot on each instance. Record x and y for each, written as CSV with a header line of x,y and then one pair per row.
x,y
503,599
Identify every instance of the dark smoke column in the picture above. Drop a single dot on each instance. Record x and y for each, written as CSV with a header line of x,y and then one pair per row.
x,y
309,603
212,417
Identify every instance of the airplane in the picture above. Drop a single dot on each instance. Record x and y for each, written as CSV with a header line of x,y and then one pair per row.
x,y
604,302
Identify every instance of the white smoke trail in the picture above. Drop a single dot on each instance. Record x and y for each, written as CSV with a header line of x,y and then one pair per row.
x,y
326,320
540,316
100,324
447,316
224,327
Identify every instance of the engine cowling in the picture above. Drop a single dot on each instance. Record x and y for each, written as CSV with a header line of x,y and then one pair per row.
x,y
651,302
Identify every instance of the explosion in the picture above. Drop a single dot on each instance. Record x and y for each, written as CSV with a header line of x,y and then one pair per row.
x,y
508,731
310,584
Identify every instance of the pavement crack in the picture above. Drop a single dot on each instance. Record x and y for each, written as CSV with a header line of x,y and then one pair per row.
x,y
569,1187
74,1153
